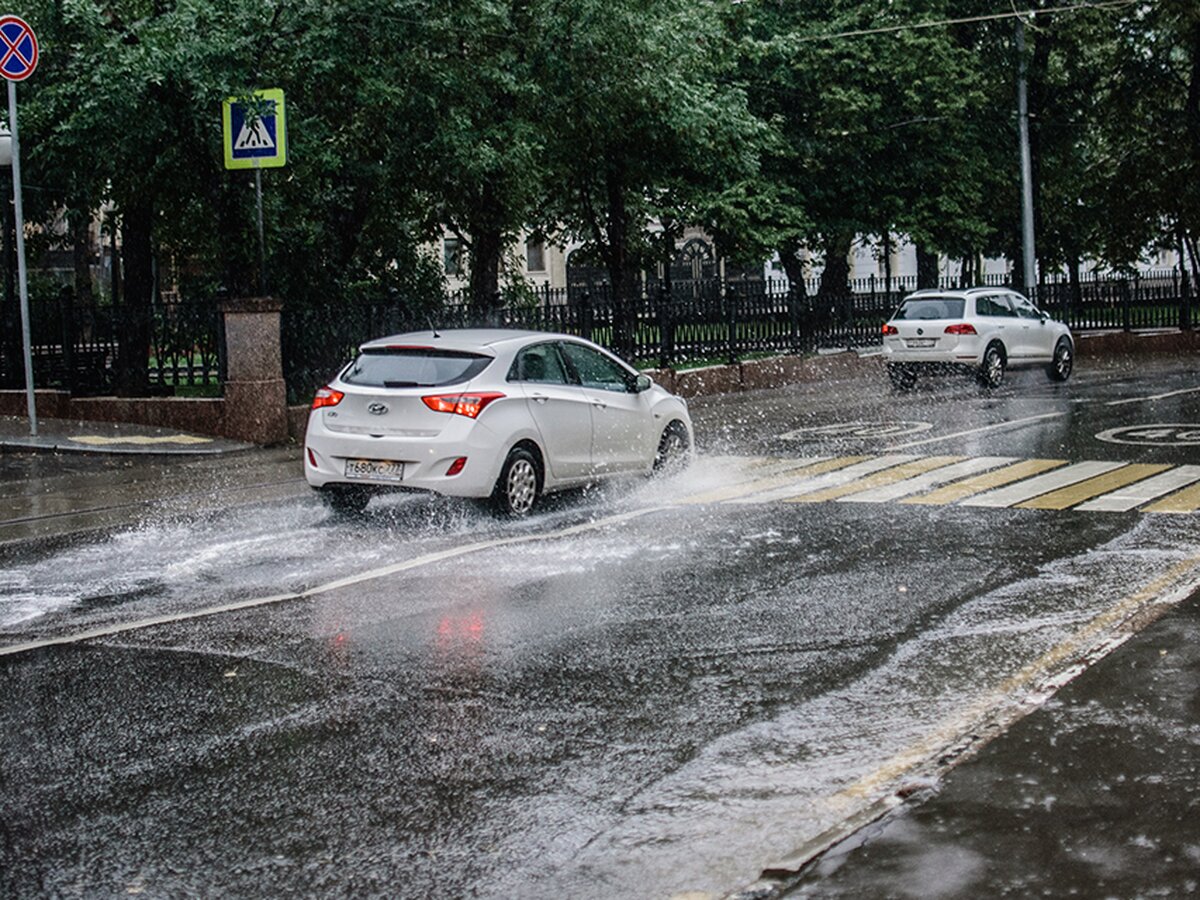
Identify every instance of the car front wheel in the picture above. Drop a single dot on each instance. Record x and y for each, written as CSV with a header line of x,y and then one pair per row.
x,y
1064,359
672,453
519,484
991,372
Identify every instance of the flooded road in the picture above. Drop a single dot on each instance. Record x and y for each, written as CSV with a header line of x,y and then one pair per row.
x,y
647,690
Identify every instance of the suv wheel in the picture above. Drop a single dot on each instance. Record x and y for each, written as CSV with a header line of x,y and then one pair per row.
x,y
991,372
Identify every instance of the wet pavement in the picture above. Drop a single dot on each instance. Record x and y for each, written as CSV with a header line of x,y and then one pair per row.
x,y
1096,794
645,691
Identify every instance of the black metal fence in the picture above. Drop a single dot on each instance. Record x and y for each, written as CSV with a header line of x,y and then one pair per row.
x,y
712,321
77,346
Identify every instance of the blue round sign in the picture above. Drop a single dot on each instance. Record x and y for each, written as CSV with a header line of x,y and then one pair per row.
x,y
18,49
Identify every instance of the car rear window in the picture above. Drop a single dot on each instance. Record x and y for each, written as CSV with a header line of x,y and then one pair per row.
x,y
930,308
397,367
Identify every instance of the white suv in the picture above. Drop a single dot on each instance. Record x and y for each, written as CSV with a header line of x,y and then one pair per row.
x,y
984,330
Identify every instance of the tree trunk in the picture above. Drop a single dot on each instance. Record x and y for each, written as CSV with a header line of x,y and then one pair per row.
x,y
835,277
927,267
81,255
794,267
485,251
133,356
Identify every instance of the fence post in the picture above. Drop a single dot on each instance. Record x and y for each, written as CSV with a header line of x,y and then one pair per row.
x,y
730,297
666,326
1185,299
1126,322
255,406
585,316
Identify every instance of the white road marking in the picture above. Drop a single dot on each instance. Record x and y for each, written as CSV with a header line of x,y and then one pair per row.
x,y
829,479
999,425
928,480
1144,491
1152,397
1042,484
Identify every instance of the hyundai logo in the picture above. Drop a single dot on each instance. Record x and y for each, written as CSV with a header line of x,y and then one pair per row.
x,y
377,409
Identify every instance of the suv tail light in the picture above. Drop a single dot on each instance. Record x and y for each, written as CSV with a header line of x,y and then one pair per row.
x,y
327,396
469,405
961,328
890,329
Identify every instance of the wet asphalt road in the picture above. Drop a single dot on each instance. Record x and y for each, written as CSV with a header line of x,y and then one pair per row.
x,y
646,690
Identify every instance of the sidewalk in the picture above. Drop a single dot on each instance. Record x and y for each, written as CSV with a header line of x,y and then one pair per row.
x,y
1096,794
65,436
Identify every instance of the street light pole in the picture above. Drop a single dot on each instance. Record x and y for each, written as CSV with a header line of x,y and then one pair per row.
x,y
1027,249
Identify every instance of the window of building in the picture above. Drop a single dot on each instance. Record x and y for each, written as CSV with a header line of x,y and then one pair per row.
x,y
452,256
535,256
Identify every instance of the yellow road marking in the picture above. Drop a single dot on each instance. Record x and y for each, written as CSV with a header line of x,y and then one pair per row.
x,y
1092,487
98,440
1187,500
985,482
878,479
733,491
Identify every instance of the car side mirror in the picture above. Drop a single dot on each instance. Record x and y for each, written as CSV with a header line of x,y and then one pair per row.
x,y
644,383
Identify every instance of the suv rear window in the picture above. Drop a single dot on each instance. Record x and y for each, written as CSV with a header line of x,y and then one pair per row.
x,y
397,367
930,308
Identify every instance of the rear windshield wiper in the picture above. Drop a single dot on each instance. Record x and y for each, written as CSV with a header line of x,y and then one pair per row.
x,y
400,384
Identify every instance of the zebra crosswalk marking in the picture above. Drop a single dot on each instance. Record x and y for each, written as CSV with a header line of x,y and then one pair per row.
x,y
895,474
1093,487
1042,484
1144,491
866,466
927,481
811,466
980,483
1187,500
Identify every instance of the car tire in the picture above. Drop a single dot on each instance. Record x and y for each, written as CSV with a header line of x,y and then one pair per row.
x,y
519,485
991,370
674,450
344,499
1063,361
903,378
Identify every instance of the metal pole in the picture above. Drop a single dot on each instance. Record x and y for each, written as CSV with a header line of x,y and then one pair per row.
x,y
30,402
1027,249
262,244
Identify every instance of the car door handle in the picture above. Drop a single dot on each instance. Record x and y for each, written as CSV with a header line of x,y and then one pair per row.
x,y
600,403
539,398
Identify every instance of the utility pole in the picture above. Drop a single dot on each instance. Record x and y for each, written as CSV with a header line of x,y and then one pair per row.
x,y
1027,248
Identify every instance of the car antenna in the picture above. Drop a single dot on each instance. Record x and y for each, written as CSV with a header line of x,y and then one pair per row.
x,y
433,328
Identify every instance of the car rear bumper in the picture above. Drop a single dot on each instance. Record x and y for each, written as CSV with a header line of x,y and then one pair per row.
x,y
426,460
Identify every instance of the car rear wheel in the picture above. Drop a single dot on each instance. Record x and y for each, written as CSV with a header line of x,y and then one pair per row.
x,y
673,448
1064,359
345,499
519,484
991,372
903,378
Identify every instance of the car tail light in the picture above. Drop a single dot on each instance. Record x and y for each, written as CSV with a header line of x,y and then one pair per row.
x,y
469,405
961,328
456,466
312,457
890,329
327,396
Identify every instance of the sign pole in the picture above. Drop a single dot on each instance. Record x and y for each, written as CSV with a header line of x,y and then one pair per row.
x,y
262,244
30,400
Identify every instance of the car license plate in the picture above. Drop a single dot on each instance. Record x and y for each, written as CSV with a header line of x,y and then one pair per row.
x,y
919,343
383,469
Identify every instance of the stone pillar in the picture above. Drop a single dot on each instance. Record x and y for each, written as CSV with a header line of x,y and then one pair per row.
x,y
255,394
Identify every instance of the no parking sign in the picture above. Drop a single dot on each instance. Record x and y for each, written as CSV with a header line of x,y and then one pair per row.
x,y
18,48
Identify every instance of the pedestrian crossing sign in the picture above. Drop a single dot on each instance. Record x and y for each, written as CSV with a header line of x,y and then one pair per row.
x,y
255,130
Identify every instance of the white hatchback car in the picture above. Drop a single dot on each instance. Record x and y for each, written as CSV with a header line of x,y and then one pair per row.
x,y
505,415
983,330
